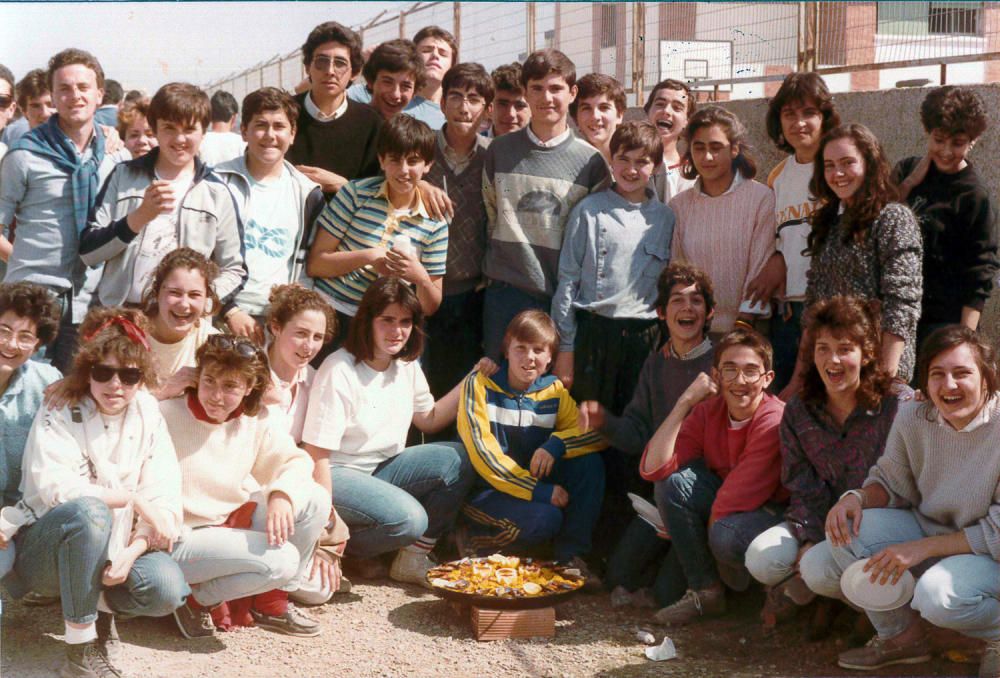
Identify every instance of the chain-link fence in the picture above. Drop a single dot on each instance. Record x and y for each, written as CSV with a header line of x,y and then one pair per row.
x,y
727,49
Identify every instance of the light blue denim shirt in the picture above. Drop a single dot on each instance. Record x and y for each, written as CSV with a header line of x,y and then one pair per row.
x,y
18,405
612,255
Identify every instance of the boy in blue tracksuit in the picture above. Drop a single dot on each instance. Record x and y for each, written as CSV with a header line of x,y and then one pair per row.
x,y
538,480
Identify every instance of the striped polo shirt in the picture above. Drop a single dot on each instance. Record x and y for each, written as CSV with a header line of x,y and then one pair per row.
x,y
360,216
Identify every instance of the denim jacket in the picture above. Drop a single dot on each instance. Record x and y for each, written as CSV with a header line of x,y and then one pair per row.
x,y
18,405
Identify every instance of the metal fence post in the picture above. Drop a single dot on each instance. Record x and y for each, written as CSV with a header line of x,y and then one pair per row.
x,y
530,36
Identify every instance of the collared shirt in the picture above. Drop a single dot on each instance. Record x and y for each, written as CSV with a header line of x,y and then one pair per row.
x,y
551,143
701,349
456,163
737,180
361,217
313,110
19,403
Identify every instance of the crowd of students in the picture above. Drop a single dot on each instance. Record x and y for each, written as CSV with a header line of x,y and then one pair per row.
x,y
422,313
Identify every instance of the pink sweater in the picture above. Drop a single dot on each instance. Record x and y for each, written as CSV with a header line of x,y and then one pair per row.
x,y
730,237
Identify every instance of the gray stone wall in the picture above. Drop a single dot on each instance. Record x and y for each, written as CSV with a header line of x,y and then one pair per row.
x,y
893,115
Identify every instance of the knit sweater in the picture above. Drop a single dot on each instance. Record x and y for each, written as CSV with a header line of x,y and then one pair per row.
x,y
529,191
664,377
950,479
885,265
747,459
729,236
958,224
221,462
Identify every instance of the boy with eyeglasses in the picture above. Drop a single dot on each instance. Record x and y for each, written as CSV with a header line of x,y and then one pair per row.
x,y
717,468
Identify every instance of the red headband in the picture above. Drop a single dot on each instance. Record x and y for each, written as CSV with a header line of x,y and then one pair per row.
x,y
132,331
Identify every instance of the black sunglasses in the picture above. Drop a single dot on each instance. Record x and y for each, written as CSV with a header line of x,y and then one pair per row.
x,y
5,101
129,376
243,348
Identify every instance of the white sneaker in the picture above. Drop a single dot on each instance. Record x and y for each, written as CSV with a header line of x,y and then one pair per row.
x,y
411,568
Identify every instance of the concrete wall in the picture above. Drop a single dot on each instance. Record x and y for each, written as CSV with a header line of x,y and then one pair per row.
x,y
893,115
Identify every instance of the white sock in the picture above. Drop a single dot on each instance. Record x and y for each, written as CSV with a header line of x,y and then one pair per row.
x,y
78,636
423,545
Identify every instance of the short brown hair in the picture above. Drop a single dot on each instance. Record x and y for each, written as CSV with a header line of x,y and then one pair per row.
x,y
736,133
545,62
468,76
128,115
187,258
266,100
638,135
676,85
99,341
532,326
508,78
954,110
214,356
395,56
34,84
440,34
287,301
331,31
594,84
799,88
856,320
402,135
380,295
34,302
71,56
953,336
180,102
751,339
686,274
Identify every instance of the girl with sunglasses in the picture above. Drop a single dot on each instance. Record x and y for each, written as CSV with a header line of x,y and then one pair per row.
x,y
227,445
101,489
365,397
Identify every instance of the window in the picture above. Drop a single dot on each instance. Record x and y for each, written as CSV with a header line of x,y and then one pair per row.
x,y
954,18
549,39
609,25
930,18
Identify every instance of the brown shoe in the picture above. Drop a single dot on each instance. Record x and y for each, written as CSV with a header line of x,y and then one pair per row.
x,y
909,647
777,607
694,604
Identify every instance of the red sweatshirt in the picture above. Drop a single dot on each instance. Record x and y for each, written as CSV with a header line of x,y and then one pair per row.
x,y
748,459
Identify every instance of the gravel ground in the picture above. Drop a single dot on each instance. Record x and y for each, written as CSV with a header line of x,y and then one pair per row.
x,y
386,629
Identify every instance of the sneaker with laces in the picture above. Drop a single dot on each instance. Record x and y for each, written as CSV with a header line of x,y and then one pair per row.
x,y
878,653
194,623
294,622
108,641
411,567
694,604
85,660
989,665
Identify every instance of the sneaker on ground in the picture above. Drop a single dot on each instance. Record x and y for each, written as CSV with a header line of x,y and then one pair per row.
x,y
989,665
294,622
694,604
108,641
85,660
411,567
878,653
194,623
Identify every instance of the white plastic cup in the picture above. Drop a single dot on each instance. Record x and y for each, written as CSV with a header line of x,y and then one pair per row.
x,y
402,244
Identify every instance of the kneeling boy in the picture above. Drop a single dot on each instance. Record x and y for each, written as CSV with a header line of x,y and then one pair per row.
x,y
537,477
717,468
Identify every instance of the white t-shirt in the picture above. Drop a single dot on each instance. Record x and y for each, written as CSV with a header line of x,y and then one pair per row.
x,y
219,147
792,207
270,233
169,358
362,415
294,399
157,239
668,182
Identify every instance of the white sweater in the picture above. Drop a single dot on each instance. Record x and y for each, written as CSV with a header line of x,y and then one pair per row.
x,y
71,454
222,463
951,479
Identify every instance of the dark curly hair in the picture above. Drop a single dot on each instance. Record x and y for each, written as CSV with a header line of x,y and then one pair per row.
x,y
735,132
799,88
185,257
686,274
331,31
33,302
255,370
876,191
98,343
287,301
856,320
380,295
954,110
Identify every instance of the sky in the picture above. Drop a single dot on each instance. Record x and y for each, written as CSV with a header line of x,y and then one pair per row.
x,y
146,44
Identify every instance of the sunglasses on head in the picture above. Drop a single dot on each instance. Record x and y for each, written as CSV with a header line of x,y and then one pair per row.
x,y
129,376
243,348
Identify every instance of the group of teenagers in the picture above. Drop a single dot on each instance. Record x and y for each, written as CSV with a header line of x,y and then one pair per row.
x,y
422,307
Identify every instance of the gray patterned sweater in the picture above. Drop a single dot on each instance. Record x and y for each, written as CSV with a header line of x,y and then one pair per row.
x,y
886,266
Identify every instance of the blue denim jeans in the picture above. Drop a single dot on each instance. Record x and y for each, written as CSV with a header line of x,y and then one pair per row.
x,y
501,304
64,554
786,335
685,501
416,493
641,559
224,563
957,592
